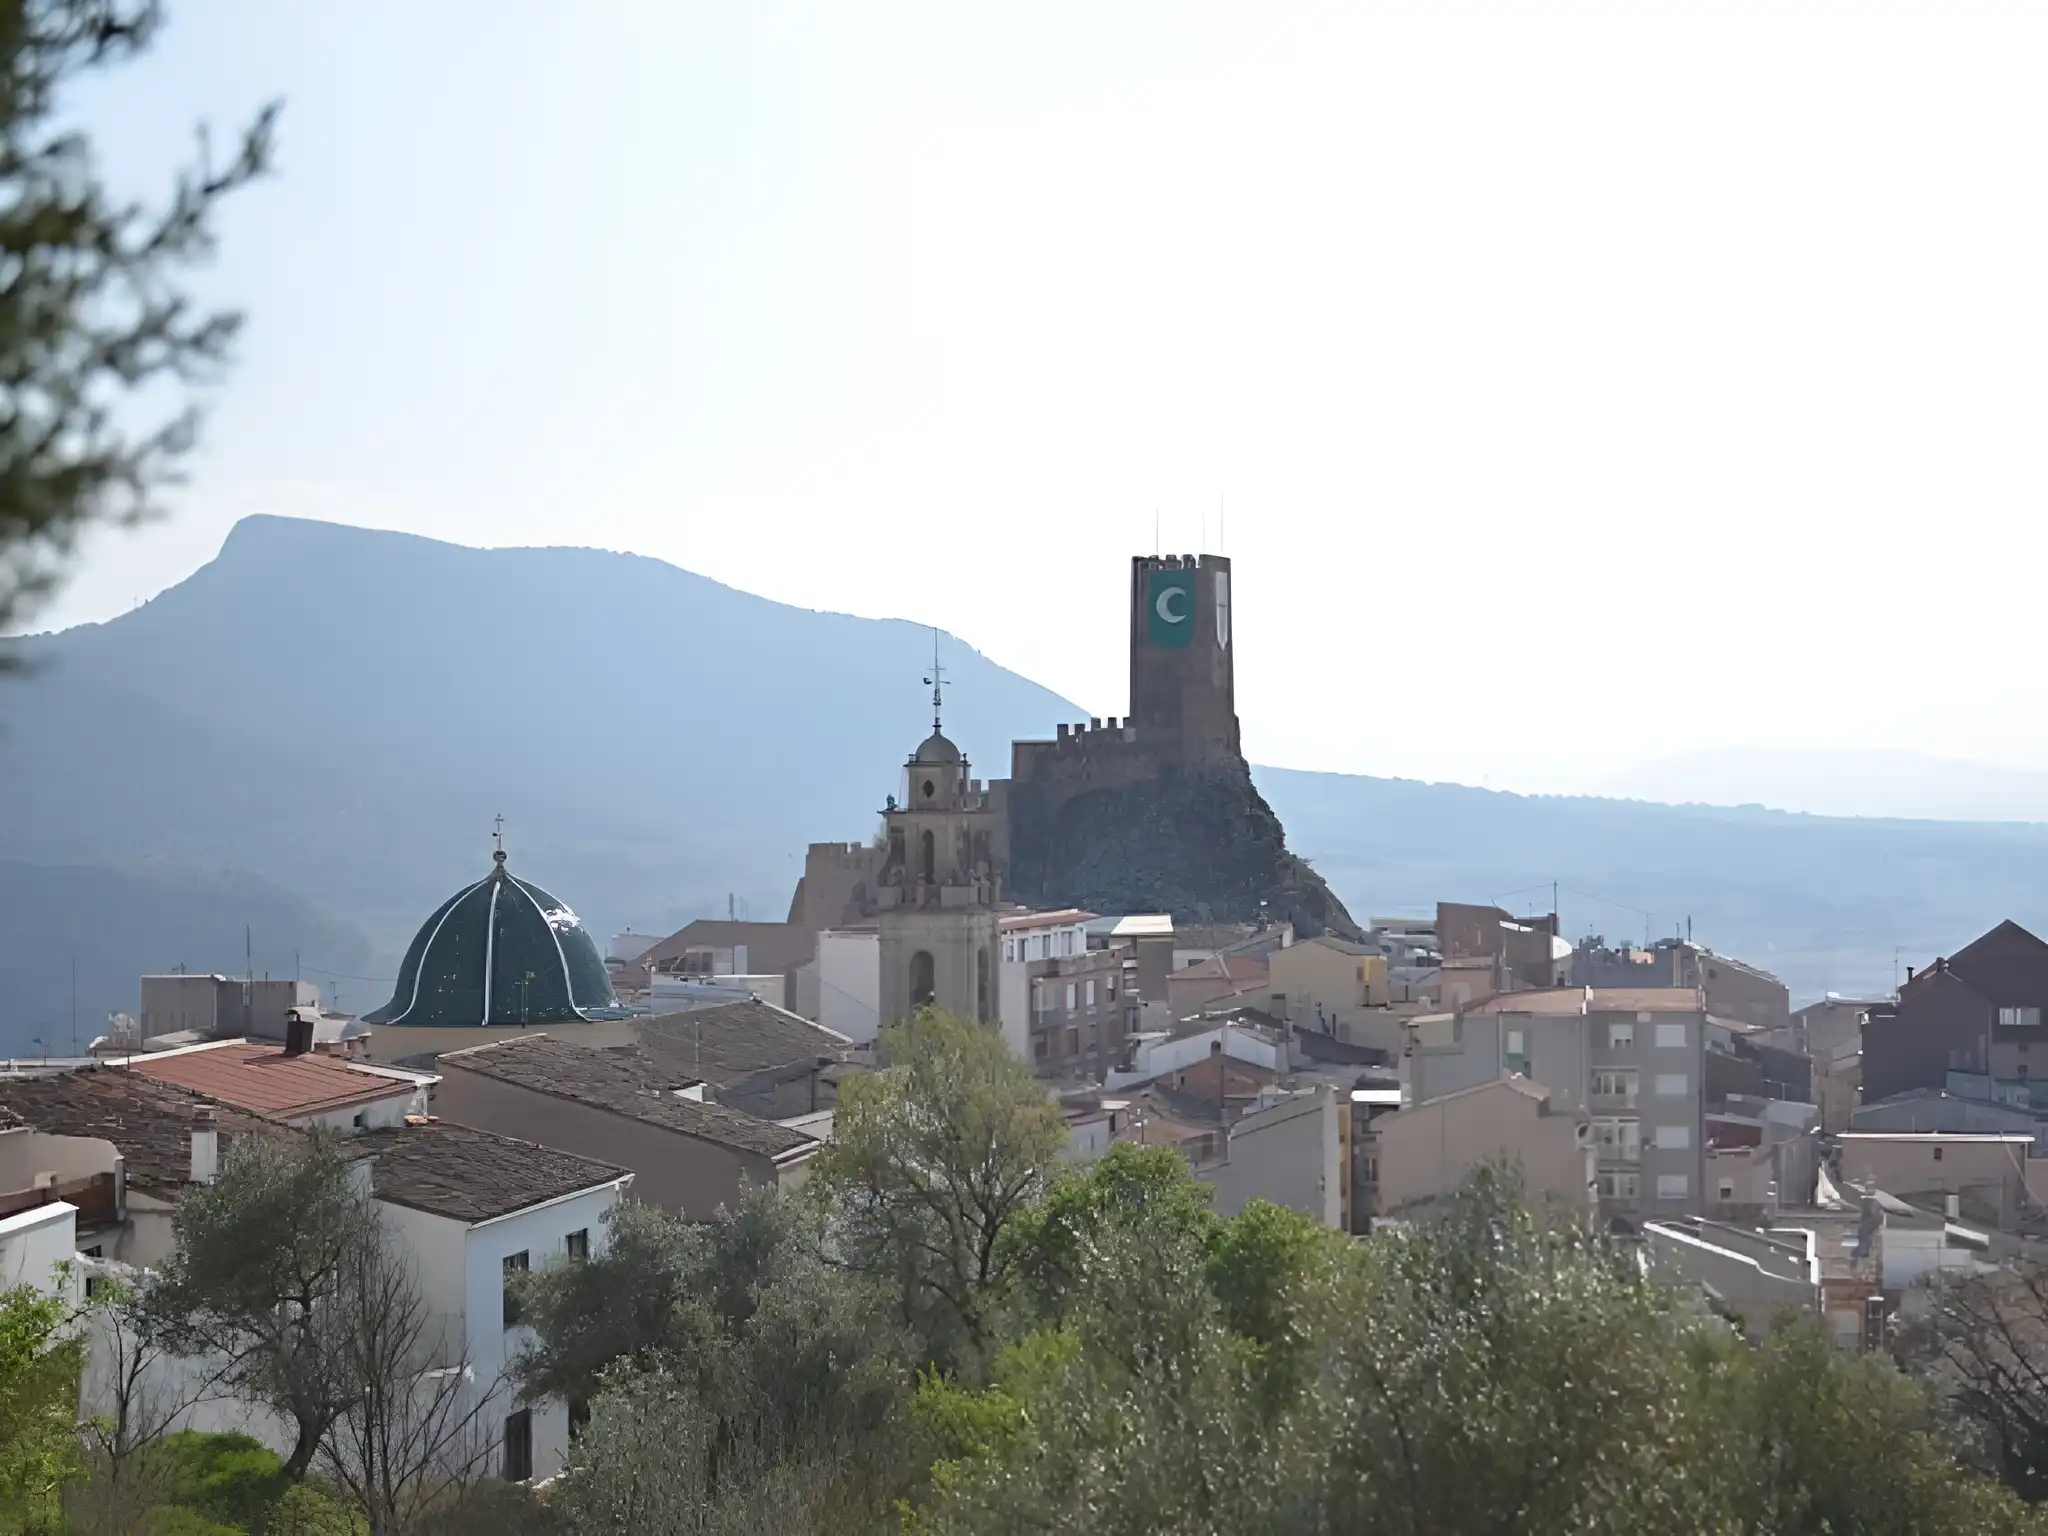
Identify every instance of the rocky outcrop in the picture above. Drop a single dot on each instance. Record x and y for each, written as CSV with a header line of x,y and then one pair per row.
x,y
1201,844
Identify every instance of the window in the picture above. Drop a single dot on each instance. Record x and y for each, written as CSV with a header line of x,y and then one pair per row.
x,y
929,848
1670,1037
1618,1140
1672,1186
1109,986
362,1119
1674,1138
1091,992
577,1243
1937,1154
1073,1042
1620,1186
1673,1085
2019,1018
579,1418
923,979
1725,1190
1515,1050
1091,1037
515,1267
1038,1046
1617,1085
1621,1037
519,1446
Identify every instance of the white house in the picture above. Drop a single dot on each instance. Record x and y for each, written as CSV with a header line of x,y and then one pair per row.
x,y
472,1209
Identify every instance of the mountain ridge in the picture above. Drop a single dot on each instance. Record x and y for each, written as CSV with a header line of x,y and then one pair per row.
x,y
341,712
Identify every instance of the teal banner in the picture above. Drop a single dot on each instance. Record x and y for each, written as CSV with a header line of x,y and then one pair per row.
x,y
1170,607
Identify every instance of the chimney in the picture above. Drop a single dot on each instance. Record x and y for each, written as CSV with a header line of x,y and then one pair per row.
x,y
205,1149
298,1033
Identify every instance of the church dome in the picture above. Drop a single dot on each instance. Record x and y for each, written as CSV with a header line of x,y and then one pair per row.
x,y
936,749
501,951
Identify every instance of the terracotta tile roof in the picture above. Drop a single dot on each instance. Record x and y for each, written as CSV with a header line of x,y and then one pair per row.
x,y
626,1083
735,1041
470,1175
261,1078
149,1123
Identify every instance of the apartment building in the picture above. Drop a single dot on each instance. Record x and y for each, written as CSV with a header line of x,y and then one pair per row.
x,y
1633,1058
1065,1008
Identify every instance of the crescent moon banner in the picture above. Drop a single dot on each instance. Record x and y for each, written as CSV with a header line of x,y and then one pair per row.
x,y
1170,607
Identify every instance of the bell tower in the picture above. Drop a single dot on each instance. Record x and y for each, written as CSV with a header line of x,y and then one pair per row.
x,y
938,894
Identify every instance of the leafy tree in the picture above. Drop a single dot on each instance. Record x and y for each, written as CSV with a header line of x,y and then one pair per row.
x,y
651,1459
255,1279
1983,1345
1798,1437
1146,1190
40,1360
94,326
744,1320
746,1308
1138,1412
1502,1370
933,1160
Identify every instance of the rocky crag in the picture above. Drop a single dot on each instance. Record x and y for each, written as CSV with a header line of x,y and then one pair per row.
x,y
1202,844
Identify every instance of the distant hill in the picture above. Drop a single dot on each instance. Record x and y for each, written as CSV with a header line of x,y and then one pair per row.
x,y
342,712
1841,782
337,714
115,922
1820,900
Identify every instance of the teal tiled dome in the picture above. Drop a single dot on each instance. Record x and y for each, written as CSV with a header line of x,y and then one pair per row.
x,y
500,951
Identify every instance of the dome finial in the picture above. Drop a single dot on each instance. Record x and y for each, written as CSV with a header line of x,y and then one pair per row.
x,y
938,682
498,837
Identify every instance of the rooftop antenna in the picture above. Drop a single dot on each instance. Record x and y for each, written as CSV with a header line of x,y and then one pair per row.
x,y
937,681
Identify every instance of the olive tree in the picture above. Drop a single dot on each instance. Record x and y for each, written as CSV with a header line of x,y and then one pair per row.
x,y
934,1159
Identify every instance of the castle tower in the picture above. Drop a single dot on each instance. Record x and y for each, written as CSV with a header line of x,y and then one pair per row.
x,y
938,890
1183,696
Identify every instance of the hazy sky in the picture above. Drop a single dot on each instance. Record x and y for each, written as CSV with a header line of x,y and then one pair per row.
x,y
1582,382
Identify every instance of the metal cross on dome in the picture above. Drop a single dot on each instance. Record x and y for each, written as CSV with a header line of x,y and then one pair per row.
x,y
498,833
937,680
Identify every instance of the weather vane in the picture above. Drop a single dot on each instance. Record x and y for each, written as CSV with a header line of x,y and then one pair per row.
x,y
937,681
498,836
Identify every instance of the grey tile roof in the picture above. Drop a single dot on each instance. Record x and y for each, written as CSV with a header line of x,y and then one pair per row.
x,y
149,1122
470,1175
626,1083
736,1041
